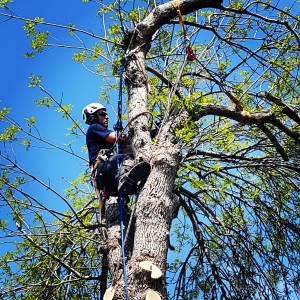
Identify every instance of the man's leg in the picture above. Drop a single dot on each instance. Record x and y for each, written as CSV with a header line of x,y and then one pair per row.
x,y
108,177
126,178
132,174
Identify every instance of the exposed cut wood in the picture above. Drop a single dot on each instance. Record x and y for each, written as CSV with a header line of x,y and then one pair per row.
x,y
156,272
146,265
109,293
152,295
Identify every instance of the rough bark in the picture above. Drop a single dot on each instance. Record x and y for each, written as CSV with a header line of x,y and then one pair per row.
x,y
148,237
156,205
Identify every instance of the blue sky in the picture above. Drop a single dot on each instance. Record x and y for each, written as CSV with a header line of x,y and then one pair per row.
x,y
64,79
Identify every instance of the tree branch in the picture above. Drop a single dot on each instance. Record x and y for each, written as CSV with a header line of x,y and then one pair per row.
x,y
274,141
286,108
256,118
274,21
163,14
164,80
60,261
12,16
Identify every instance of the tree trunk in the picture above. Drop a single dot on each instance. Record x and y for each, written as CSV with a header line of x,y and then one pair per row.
x,y
148,239
156,205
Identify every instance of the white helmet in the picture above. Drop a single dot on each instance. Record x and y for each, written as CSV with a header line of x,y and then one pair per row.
x,y
88,112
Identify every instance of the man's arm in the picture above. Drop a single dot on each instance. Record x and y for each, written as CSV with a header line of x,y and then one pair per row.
x,y
111,137
124,142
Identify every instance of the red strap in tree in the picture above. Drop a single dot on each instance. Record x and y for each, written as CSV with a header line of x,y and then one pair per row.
x,y
190,53
246,116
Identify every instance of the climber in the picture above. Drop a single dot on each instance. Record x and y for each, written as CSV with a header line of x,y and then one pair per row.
x,y
100,142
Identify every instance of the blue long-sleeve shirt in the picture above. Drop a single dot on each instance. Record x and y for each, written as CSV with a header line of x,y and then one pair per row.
x,y
95,140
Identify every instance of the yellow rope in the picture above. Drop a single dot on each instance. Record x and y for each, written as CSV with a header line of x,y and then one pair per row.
x,y
189,51
176,5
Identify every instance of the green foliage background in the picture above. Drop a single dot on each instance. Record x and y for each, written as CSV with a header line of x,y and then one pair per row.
x,y
237,233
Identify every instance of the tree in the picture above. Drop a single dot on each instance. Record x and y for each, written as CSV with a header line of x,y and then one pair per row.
x,y
223,86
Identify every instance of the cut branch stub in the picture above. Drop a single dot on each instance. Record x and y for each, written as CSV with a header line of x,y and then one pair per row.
x,y
147,265
152,295
156,272
109,293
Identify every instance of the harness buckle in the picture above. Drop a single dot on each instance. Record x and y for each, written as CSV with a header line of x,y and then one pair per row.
x,y
103,157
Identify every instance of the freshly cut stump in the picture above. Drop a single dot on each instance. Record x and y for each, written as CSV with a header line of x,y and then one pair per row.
x,y
156,272
109,293
147,265
152,295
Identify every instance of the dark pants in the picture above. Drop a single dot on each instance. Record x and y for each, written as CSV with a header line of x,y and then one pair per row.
x,y
108,174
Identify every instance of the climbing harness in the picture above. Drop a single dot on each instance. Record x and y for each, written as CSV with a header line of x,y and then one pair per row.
x,y
188,49
100,193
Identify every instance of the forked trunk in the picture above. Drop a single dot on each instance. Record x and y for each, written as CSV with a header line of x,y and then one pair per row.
x,y
148,238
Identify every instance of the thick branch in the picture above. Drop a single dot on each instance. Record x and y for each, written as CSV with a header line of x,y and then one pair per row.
x,y
287,110
264,116
256,118
163,14
274,141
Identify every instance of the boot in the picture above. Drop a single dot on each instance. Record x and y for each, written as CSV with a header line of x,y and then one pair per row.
x,y
132,174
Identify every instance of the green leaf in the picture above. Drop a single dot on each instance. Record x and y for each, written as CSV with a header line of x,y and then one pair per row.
x,y
3,3
9,133
31,121
40,40
71,29
65,110
4,112
34,80
80,57
45,101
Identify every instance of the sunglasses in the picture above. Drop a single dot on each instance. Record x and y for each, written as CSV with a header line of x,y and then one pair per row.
x,y
102,114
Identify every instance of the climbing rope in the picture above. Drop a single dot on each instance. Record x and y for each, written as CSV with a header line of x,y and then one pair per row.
x,y
118,128
246,116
